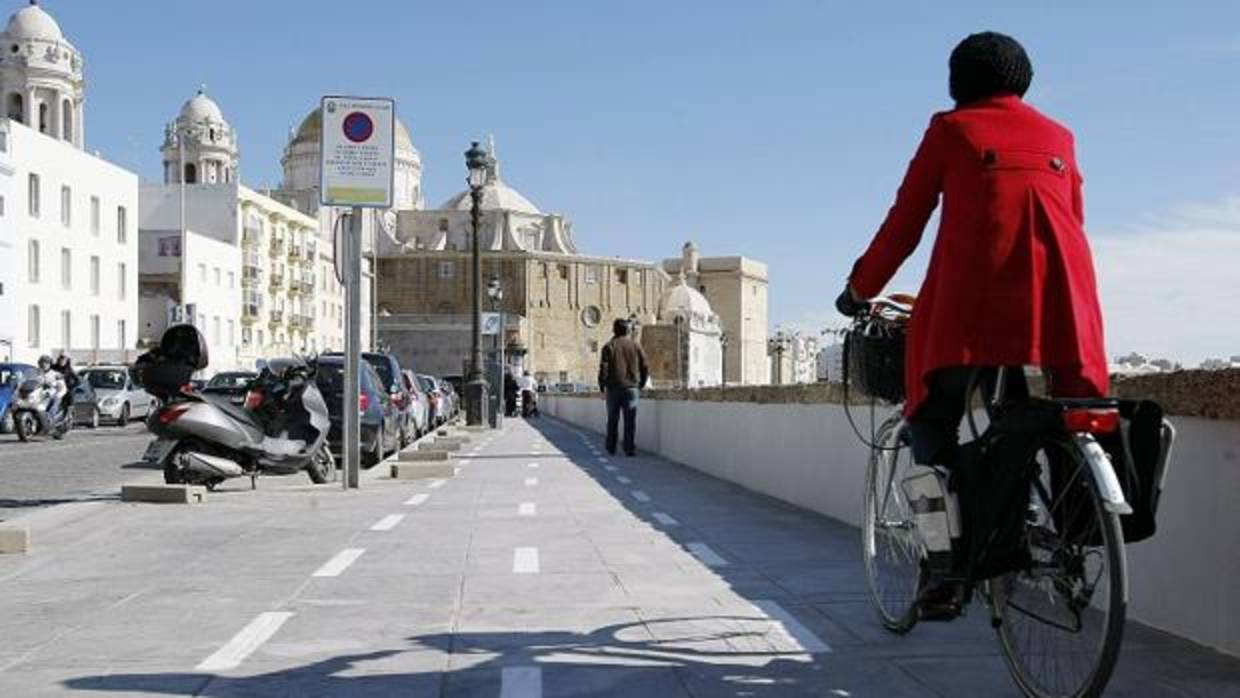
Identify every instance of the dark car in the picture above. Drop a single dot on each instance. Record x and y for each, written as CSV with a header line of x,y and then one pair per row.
x,y
380,418
232,385
85,405
388,369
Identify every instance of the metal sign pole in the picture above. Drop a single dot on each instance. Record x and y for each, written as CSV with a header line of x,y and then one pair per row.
x,y
353,351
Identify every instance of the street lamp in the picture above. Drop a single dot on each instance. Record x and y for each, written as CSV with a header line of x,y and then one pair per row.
x,y
478,161
723,358
495,290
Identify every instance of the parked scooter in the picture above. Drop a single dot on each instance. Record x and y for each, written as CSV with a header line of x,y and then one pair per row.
x,y
280,430
35,412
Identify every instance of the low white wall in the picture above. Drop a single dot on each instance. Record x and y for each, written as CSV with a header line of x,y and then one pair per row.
x,y
1184,580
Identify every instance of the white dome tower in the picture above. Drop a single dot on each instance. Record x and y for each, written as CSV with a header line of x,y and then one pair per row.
x,y
200,147
41,81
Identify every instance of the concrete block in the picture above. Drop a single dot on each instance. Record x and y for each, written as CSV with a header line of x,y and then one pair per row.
x,y
445,447
14,539
459,440
410,455
164,494
421,471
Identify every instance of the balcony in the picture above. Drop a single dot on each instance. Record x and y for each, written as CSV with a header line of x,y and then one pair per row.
x,y
251,236
312,251
277,247
250,311
295,253
277,281
277,317
302,322
251,276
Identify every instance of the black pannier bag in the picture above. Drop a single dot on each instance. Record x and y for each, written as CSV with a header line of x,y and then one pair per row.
x,y
992,477
1139,452
874,359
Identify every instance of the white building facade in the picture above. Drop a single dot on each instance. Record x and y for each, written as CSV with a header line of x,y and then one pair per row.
x,y
68,248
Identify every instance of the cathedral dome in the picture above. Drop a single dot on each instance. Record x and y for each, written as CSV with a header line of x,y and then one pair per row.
x,y
681,298
33,23
496,195
201,108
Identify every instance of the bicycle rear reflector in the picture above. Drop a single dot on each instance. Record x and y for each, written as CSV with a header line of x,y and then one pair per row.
x,y
1091,420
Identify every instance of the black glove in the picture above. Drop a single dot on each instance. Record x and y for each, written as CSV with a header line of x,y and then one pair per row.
x,y
848,304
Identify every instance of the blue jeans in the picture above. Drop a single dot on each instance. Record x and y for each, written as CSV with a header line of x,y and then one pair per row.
x,y
622,400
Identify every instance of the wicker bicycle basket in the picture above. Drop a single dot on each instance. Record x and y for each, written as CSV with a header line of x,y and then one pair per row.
x,y
874,359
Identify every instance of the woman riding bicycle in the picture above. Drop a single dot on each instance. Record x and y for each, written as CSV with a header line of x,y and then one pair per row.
x,y
1011,278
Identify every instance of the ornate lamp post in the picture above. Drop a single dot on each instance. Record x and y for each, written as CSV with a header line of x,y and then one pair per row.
x,y
477,161
495,290
723,358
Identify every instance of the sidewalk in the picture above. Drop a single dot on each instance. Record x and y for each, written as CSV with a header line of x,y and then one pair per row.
x,y
542,568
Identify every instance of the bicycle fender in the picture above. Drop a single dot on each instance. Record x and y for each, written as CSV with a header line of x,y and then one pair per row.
x,y
1104,474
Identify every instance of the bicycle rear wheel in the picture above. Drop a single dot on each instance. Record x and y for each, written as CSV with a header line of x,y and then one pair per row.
x,y
892,555
1062,620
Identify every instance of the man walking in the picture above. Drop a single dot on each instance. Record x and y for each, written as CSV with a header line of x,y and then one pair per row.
x,y
622,371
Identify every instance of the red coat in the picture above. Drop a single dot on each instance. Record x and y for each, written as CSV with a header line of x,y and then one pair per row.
x,y
1011,278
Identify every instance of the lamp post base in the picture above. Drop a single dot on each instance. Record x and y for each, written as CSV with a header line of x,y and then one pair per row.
x,y
476,402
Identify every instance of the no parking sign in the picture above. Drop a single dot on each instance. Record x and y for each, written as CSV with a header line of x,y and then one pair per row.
x,y
357,151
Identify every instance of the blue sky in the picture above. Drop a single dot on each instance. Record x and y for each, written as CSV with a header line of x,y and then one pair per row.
x,y
778,130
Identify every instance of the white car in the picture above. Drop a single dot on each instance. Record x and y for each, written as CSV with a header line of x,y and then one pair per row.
x,y
119,398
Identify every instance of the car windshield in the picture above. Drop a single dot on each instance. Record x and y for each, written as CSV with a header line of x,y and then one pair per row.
x,y
230,380
427,384
106,379
384,368
12,375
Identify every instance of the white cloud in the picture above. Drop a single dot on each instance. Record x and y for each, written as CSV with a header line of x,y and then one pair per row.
x,y
1172,289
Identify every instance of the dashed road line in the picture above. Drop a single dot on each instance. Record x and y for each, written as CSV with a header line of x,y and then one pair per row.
x,y
603,459
435,484
525,561
792,628
623,480
706,555
640,496
388,522
664,519
531,482
527,509
339,563
611,468
521,682
417,500
244,643
532,465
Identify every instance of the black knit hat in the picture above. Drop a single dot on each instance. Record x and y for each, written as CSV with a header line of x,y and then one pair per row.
x,y
987,64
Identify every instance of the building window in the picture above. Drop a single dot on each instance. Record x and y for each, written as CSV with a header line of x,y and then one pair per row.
x,y
94,216
232,337
32,262
622,276
563,270
94,276
447,270
32,326
35,199
1,196
247,336
202,273
191,173
121,342
591,275
591,316
66,330
66,206
94,332
217,276
122,223
232,279
215,330
66,268
121,290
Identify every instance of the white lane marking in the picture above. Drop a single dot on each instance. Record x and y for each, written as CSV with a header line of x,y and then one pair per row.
x,y
456,470
640,496
611,468
434,484
417,499
465,461
664,519
601,459
521,682
339,563
245,642
623,480
532,465
527,509
525,561
388,522
531,482
705,555
792,628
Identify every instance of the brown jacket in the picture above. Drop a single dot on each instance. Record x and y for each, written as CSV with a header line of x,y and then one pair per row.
x,y
622,365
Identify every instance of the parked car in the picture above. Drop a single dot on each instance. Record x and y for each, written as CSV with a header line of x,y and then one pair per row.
x,y
437,403
232,385
120,399
86,406
452,398
388,370
11,376
380,418
420,403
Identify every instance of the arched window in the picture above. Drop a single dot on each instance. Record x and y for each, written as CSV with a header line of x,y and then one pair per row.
x,y
16,107
191,173
43,125
66,120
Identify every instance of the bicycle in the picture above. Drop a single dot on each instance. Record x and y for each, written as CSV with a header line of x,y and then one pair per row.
x,y
1060,616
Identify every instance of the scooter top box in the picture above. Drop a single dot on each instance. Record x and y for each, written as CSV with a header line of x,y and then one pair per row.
x,y
165,369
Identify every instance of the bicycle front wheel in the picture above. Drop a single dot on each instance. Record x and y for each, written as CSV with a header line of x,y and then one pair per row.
x,y
892,555
1062,620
